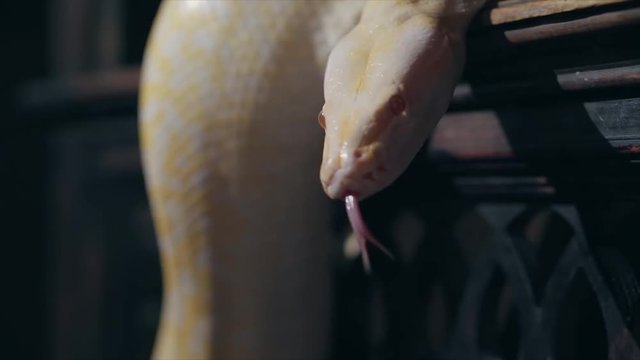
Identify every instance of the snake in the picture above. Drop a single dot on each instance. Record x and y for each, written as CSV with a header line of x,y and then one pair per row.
x,y
229,97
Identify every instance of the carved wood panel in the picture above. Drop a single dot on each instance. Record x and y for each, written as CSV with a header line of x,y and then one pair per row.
x,y
516,230
496,281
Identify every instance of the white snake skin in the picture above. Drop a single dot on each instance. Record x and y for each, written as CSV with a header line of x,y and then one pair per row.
x,y
229,97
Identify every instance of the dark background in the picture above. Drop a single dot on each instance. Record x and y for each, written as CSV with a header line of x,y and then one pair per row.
x,y
33,57
530,153
24,57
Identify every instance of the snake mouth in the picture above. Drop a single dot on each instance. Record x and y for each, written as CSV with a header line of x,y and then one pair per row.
x,y
361,172
341,184
338,190
347,181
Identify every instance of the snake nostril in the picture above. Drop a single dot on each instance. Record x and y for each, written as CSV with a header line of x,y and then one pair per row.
x,y
357,154
369,176
397,104
322,120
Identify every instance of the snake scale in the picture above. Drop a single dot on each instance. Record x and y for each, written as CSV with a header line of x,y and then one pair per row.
x,y
229,96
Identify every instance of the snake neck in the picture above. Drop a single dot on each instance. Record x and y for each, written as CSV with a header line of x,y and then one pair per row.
x,y
446,8
452,15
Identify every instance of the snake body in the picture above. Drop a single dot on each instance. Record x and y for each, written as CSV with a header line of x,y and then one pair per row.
x,y
230,150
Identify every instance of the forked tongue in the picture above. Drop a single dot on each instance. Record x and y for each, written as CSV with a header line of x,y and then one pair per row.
x,y
361,231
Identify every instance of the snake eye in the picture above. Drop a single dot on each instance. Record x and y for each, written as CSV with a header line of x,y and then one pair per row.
x,y
321,120
397,105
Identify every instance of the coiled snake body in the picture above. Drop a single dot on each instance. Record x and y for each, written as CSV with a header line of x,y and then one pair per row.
x,y
230,91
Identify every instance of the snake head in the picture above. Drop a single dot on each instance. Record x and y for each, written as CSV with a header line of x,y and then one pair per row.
x,y
386,86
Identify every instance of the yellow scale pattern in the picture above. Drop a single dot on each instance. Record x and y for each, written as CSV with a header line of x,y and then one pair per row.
x,y
230,92
229,96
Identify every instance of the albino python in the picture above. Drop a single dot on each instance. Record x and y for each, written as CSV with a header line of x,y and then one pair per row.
x,y
229,96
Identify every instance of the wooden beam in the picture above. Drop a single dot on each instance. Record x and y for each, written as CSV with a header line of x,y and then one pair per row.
x,y
570,27
570,129
566,80
511,11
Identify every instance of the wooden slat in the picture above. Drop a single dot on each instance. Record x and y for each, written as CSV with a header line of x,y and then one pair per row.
x,y
602,128
507,12
70,21
470,136
497,187
571,27
568,80
577,79
81,89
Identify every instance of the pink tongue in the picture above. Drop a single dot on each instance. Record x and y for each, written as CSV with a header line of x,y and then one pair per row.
x,y
362,232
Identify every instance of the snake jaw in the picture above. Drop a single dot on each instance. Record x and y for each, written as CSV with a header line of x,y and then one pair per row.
x,y
362,232
349,180
361,171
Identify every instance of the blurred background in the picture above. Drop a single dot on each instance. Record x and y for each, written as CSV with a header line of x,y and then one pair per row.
x,y
538,157
72,192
